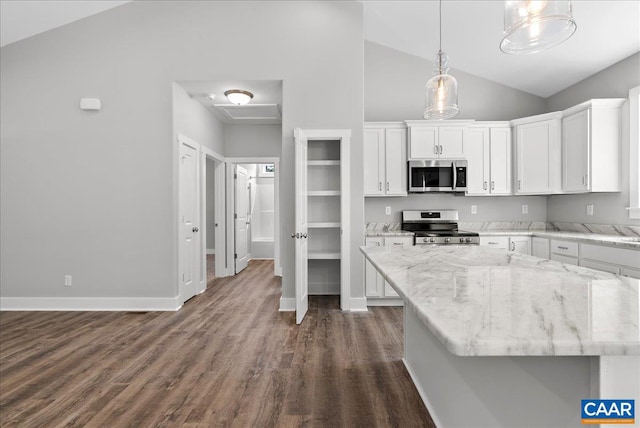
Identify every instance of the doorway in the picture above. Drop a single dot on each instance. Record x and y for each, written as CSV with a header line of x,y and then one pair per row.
x,y
253,200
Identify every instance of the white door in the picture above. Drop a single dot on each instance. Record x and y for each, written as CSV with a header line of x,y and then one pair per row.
x,y
452,141
478,158
301,229
500,161
189,220
373,161
575,152
241,215
395,165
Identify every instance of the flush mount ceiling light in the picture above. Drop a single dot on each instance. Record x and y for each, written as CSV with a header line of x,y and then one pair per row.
x,y
532,26
238,96
442,89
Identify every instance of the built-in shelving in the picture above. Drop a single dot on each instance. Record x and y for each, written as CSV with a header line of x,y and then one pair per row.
x,y
323,163
324,255
323,225
323,193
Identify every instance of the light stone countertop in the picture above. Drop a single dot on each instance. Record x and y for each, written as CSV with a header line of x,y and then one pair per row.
x,y
484,301
390,233
631,242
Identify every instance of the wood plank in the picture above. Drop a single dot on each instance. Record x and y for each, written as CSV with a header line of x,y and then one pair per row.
x,y
227,358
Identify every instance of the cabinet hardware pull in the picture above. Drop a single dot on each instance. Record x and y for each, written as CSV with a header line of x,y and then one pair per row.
x,y
397,243
295,235
493,243
563,248
513,246
387,186
484,185
493,185
380,185
440,149
519,185
435,150
303,235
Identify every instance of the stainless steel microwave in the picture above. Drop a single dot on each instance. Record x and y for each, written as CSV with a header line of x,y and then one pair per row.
x,y
437,176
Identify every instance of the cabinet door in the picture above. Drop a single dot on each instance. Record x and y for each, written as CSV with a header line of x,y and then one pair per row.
x,y
630,272
500,161
534,152
501,242
452,141
373,286
423,142
575,152
540,247
520,244
478,161
389,291
373,161
396,162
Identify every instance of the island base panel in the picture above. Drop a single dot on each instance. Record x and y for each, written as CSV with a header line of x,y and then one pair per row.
x,y
487,391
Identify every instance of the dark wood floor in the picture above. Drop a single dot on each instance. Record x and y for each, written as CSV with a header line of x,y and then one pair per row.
x,y
227,358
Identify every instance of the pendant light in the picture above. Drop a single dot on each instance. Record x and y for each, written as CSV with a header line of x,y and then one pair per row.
x,y
533,26
442,89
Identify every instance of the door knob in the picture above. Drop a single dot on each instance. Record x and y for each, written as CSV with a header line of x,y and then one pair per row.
x,y
303,235
195,229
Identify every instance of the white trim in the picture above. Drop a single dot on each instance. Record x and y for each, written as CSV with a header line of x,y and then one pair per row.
x,y
634,153
287,304
359,304
211,251
90,303
385,301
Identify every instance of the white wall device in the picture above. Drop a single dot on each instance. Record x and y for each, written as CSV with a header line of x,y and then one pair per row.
x,y
93,104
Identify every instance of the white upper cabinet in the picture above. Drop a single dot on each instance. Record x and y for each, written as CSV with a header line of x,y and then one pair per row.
x,y
428,140
538,154
591,146
488,151
385,159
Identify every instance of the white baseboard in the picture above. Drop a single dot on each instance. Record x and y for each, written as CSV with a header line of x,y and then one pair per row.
x,y
211,251
90,304
385,301
287,304
359,304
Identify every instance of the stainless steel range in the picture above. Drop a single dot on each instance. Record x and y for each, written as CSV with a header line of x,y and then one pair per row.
x,y
437,227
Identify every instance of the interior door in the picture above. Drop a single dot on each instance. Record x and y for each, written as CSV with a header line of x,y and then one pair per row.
x,y
241,215
189,214
301,229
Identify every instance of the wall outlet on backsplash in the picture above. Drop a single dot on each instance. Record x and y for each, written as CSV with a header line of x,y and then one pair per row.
x,y
387,210
525,209
474,209
589,209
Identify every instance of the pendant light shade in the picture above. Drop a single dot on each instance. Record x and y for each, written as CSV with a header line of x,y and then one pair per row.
x,y
532,26
238,96
442,89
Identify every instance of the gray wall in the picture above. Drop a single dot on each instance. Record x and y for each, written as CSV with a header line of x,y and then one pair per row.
x,y
107,181
608,208
394,83
394,90
253,140
210,205
194,121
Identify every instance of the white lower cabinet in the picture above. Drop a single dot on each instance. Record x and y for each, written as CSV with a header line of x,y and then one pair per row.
x,y
375,285
515,244
564,251
620,261
540,247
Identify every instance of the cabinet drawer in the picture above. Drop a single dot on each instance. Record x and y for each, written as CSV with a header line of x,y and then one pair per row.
x,y
600,266
564,248
501,242
374,242
564,259
630,272
396,241
618,256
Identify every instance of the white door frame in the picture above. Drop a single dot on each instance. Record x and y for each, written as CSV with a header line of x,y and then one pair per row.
x,y
277,267
219,210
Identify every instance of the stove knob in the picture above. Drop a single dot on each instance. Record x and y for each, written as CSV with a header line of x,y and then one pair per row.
x,y
461,239
432,240
468,240
447,239
425,240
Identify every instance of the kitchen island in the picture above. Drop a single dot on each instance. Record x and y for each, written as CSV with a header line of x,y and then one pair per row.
x,y
493,338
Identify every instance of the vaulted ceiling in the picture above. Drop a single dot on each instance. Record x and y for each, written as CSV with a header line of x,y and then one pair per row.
x,y
608,31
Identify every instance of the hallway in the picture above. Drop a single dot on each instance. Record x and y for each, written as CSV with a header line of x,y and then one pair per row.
x,y
227,358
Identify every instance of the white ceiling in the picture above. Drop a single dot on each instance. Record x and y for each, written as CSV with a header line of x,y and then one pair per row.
x,y
264,92
608,31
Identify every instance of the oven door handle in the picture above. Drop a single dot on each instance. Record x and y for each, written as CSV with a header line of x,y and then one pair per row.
x,y
453,170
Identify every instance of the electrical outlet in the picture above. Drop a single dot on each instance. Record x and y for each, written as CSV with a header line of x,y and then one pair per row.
x,y
525,209
474,209
387,210
589,209
67,280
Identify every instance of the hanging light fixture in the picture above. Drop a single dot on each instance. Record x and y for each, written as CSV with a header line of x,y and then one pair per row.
x,y
532,26
442,89
238,96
